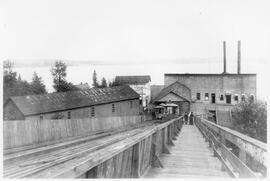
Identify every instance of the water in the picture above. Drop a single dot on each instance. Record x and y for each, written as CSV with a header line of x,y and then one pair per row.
x,y
83,73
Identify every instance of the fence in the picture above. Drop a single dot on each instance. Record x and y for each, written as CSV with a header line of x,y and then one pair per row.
x,y
130,158
28,132
244,147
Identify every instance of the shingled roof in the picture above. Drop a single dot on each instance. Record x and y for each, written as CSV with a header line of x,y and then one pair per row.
x,y
176,88
140,79
37,104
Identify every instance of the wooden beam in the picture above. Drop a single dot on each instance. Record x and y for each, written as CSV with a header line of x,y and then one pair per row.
x,y
136,154
165,150
156,162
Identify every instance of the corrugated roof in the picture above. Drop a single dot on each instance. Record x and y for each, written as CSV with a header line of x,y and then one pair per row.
x,y
176,88
141,79
37,104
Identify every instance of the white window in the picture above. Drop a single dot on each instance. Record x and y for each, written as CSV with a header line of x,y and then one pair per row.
x,y
113,108
69,115
92,111
206,95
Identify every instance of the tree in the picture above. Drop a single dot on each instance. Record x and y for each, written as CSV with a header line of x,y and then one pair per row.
x,y
103,82
113,83
59,78
95,81
9,80
37,85
13,86
10,77
249,117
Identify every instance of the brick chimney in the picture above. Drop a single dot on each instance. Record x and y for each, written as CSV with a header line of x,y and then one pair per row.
x,y
238,57
224,57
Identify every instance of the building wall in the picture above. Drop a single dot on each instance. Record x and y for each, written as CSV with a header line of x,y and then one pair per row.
x,y
144,90
11,112
155,90
123,108
218,84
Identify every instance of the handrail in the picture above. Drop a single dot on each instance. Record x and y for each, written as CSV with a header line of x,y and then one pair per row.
x,y
138,151
217,135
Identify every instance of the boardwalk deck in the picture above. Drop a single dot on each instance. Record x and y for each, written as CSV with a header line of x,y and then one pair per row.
x,y
190,157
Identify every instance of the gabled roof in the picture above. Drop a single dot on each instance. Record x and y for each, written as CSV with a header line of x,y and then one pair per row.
x,y
140,79
37,104
177,88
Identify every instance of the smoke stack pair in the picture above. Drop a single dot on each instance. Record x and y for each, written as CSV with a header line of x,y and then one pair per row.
x,y
238,57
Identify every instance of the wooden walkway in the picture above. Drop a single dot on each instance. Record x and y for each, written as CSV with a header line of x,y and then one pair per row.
x,y
190,157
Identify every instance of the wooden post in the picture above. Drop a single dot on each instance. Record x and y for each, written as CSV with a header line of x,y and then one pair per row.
x,y
243,158
222,141
136,154
164,146
169,141
155,159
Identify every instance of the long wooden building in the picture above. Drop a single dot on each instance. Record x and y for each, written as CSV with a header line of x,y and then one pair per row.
x,y
94,102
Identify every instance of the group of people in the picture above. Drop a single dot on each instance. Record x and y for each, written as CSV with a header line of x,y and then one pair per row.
x,y
189,118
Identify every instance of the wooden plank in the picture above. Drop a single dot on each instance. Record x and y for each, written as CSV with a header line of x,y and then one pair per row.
x,y
256,149
65,157
190,156
136,154
21,133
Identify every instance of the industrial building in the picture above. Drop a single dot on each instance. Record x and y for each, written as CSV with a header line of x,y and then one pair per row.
x,y
214,92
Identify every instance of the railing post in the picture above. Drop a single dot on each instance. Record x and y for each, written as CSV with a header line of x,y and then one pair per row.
x,y
164,145
155,161
136,155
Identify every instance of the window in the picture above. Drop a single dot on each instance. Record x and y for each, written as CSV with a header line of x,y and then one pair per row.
x,y
206,96
69,115
130,104
243,97
41,117
236,98
213,98
113,108
221,97
92,111
228,99
198,96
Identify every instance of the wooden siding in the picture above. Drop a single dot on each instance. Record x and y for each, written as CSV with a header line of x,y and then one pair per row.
x,y
122,108
11,112
26,132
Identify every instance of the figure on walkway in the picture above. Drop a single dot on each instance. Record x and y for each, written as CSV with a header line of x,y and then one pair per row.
x,y
191,118
186,117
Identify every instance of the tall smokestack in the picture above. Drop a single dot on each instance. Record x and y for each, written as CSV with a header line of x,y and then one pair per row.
x,y
239,57
224,57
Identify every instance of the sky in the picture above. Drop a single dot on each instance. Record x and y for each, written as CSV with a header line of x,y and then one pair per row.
x,y
135,37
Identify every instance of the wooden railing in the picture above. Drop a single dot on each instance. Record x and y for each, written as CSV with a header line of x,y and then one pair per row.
x,y
19,133
125,155
132,157
237,152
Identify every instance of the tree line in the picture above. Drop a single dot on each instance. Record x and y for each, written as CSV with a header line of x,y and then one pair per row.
x,y
13,85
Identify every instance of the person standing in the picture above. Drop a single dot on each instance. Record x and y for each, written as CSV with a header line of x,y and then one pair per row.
x,y
191,118
186,117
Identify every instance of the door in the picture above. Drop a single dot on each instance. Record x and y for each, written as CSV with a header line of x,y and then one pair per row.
x,y
213,98
228,99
